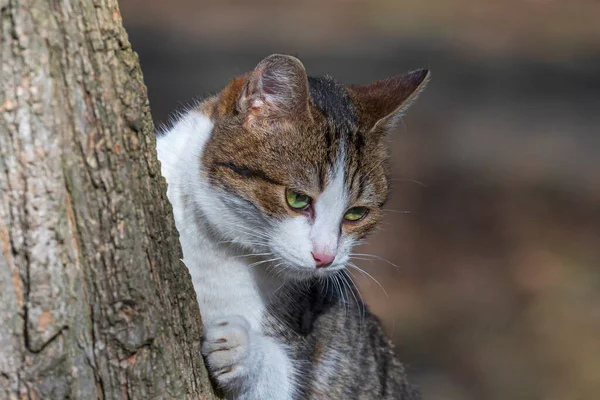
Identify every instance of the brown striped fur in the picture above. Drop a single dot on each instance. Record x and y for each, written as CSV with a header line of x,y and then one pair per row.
x,y
260,147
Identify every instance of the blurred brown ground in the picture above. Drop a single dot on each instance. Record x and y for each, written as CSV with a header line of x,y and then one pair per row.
x,y
496,289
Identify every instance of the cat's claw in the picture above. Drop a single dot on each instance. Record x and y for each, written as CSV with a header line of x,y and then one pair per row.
x,y
228,350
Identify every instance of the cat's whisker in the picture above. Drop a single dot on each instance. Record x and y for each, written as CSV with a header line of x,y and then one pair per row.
x,y
408,180
352,279
279,288
345,287
341,292
254,255
371,260
370,276
321,282
277,270
240,228
403,124
365,175
350,276
253,235
360,305
347,298
238,244
335,285
397,211
361,242
373,256
263,261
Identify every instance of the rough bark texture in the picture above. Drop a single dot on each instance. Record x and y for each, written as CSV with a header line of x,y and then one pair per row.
x,y
94,300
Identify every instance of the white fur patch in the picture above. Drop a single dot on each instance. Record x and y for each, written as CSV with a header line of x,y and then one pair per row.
x,y
329,211
225,284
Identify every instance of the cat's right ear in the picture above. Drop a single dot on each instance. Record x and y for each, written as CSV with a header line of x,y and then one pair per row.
x,y
381,104
278,87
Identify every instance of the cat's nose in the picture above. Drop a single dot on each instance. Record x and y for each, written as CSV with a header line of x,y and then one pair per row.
x,y
323,259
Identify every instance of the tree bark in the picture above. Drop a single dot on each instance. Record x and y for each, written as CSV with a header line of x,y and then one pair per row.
x,y
94,301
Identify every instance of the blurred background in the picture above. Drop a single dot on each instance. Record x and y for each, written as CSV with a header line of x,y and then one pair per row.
x,y
493,230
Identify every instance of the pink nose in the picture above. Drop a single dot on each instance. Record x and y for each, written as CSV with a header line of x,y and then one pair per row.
x,y
323,259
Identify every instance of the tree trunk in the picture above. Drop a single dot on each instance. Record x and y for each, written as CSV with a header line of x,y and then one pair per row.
x,y
94,301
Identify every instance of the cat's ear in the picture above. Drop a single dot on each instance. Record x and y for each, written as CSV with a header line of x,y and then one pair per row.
x,y
277,87
382,103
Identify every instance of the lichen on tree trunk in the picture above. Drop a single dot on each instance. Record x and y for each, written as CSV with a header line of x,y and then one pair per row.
x,y
95,302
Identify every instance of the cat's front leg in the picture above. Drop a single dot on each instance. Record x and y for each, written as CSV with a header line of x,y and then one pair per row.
x,y
245,363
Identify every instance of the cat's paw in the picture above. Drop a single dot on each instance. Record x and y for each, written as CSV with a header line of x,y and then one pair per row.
x,y
229,351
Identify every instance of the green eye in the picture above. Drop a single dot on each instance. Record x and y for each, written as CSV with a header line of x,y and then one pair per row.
x,y
355,214
296,200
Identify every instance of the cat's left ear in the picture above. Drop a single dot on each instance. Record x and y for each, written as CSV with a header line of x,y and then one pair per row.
x,y
278,87
382,103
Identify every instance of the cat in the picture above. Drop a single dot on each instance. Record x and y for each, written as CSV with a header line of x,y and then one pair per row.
x,y
272,182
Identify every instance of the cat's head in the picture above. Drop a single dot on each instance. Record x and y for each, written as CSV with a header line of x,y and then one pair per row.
x,y
299,163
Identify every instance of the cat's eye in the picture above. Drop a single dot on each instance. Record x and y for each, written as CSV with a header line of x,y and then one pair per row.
x,y
298,201
355,214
